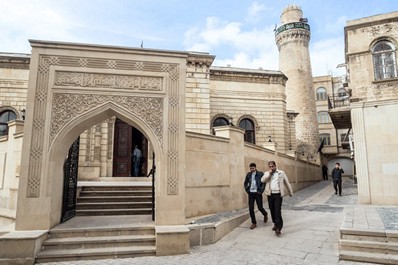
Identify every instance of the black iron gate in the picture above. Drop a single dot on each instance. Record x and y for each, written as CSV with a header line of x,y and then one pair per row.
x,y
70,182
152,172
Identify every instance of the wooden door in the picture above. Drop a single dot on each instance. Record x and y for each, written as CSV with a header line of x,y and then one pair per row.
x,y
122,149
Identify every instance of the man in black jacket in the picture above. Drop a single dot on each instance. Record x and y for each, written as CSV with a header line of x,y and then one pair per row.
x,y
255,188
337,175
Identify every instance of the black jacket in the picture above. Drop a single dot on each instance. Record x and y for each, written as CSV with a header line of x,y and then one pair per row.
x,y
260,185
336,173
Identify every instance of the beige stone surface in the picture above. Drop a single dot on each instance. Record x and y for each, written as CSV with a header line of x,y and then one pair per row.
x,y
373,110
172,240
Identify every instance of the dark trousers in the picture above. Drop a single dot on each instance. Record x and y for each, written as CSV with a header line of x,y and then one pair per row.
x,y
325,176
275,207
254,196
337,183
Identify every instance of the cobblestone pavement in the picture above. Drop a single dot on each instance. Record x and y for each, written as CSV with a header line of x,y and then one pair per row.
x,y
312,218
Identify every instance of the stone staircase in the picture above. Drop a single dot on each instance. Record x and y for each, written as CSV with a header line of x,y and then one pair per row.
x,y
114,200
98,243
379,247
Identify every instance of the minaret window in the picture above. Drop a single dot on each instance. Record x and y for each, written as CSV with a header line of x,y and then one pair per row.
x,y
321,93
323,117
248,126
5,117
384,60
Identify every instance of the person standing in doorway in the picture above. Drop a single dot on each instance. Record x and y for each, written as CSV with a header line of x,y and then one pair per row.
x,y
337,178
255,189
325,172
137,155
275,181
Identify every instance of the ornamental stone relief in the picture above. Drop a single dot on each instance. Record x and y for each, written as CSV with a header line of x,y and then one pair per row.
x,y
380,30
66,107
72,79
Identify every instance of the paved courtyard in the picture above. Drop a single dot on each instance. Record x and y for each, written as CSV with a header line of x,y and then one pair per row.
x,y
312,218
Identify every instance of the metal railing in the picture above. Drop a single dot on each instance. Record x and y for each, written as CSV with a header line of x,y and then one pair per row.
x,y
338,100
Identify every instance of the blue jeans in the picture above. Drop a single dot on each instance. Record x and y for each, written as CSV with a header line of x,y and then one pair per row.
x,y
137,163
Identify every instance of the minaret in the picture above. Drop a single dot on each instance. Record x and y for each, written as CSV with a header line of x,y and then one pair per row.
x,y
293,38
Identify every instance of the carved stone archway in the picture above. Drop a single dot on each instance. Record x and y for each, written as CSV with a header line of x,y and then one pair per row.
x,y
74,86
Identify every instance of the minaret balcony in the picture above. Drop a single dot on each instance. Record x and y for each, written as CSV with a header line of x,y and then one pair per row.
x,y
293,25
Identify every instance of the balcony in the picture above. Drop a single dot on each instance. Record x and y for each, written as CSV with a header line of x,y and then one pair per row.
x,y
339,110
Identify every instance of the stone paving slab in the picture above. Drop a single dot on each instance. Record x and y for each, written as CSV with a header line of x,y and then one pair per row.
x,y
312,221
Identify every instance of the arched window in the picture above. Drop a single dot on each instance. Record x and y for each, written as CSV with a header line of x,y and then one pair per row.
x,y
325,136
5,117
219,122
321,93
323,117
384,60
248,126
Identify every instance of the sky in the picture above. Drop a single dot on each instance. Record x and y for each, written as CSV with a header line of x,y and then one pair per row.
x,y
240,33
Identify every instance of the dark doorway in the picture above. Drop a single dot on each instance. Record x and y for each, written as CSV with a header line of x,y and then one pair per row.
x,y
126,137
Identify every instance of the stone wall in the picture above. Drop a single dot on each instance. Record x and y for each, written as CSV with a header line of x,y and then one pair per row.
x,y
255,94
374,105
216,167
10,159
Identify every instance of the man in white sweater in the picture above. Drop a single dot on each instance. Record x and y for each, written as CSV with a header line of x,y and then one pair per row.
x,y
275,181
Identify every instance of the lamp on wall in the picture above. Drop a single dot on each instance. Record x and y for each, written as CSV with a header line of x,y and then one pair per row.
x,y
269,139
23,112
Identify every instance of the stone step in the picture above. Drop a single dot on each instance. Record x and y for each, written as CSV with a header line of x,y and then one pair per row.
x,y
378,258
97,212
115,193
99,242
100,232
94,253
115,199
113,205
362,235
366,246
117,188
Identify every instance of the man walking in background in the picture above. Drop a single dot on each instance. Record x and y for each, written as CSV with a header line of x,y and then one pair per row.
x,y
255,189
337,175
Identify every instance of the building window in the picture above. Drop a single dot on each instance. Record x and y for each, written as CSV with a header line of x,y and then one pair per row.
x,y
323,117
326,137
5,117
321,93
384,60
219,122
342,92
248,126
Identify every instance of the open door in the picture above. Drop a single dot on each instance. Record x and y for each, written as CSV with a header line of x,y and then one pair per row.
x,y
126,137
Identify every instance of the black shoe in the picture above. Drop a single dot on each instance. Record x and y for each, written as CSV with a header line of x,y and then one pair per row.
x,y
265,218
277,232
335,193
274,228
340,194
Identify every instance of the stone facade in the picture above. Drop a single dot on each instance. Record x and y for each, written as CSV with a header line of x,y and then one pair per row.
x,y
325,88
371,57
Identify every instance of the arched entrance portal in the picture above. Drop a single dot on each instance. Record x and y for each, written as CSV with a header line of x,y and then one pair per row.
x,y
73,87
126,138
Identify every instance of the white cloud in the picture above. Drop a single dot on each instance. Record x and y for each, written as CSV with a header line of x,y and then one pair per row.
x,y
254,12
326,55
23,20
252,49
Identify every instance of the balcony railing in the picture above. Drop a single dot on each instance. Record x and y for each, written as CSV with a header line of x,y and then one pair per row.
x,y
338,100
